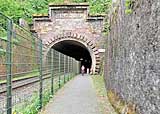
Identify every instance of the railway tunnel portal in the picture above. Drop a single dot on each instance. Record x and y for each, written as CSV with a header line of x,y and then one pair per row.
x,y
70,29
76,50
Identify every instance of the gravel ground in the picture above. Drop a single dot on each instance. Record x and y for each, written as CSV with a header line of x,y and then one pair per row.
x,y
21,95
77,97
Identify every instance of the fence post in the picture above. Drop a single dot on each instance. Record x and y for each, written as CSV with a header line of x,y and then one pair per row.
x,y
9,66
78,68
72,67
64,68
52,72
40,71
59,69
68,68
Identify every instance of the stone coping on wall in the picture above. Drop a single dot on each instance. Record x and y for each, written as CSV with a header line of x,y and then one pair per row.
x,y
42,17
69,4
96,17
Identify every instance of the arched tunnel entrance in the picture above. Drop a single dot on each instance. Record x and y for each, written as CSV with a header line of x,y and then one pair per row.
x,y
76,50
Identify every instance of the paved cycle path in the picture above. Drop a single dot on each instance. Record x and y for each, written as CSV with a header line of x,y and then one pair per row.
x,y
77,97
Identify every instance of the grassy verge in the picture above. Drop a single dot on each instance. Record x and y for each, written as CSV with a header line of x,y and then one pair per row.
x,y
119,105
31,105
23,76
104,104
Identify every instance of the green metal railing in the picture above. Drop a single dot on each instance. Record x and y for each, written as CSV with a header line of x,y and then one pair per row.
x,y
28,78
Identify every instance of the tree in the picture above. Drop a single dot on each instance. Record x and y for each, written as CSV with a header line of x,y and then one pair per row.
x,y
11,8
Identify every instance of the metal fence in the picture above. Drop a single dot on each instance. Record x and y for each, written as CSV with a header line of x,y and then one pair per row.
x,y
28,79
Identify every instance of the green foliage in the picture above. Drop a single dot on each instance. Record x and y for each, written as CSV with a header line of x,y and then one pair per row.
x,y
29,7
99,85
30,107
97,6
129,5
128,11
11,8
106,27
33,106
56,1
46,97
101,6
16,9
2,52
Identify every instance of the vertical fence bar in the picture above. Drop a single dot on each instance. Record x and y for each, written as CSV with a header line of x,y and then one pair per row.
x,y
78,68
71,67
59,69
9,66
52,72
40,71
74,67
64,68
68,68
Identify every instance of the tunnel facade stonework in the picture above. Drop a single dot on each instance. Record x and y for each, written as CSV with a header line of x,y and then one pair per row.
x,y
73,22
133,55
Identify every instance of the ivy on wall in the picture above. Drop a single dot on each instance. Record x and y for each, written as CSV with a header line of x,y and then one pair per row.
x,y
129,6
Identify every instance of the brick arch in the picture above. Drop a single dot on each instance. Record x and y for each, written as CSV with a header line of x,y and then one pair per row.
x,y
79,38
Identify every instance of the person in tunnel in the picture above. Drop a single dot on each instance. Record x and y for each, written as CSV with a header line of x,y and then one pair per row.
x,y
82,70
76,50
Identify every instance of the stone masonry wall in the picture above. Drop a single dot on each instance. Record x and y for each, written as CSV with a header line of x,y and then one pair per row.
x,y
65,20
133,55
72,18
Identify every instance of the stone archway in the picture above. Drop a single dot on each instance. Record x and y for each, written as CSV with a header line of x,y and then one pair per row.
x,y
78,38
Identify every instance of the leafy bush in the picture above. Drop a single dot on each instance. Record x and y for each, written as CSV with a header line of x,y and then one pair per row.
x,y
16,9
11,8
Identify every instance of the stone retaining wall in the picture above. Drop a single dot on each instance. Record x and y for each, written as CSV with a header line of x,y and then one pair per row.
x,y
132,67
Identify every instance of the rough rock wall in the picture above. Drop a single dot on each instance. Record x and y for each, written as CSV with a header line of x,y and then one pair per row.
x,y
133,55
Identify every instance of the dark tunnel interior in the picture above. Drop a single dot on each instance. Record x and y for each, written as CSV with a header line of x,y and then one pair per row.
x,y
75,50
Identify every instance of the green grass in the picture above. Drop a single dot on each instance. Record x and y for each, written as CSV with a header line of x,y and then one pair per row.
x,y
28,106
23,76
100,90
31,106
99,85
103,102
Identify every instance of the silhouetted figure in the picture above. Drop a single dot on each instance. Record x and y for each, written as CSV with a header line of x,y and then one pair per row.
x,y
82,70
87,70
